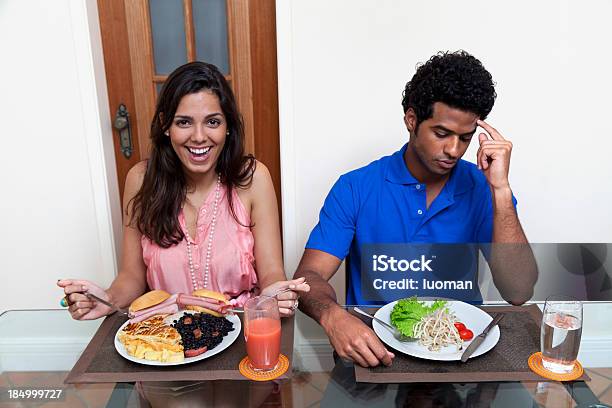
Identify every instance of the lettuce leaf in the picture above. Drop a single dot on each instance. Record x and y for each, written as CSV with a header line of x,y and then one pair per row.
x,y
407,312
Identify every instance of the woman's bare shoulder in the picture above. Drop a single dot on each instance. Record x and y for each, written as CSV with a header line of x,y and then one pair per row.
x,y
261,174
133,180
138,170
262,179
260,185
136,174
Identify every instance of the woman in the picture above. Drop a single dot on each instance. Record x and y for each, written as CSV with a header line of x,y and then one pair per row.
x,y
198,212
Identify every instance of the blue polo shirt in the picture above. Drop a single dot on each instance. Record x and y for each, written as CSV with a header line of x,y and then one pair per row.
x,y
383,203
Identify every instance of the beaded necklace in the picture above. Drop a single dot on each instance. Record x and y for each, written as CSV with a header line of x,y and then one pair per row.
x,y
211,233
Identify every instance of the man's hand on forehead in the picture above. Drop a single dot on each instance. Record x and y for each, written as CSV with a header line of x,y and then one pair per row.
x,y
493,156
495,135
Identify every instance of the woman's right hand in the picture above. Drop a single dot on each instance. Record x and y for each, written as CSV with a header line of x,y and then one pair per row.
x,y
287,293
80,306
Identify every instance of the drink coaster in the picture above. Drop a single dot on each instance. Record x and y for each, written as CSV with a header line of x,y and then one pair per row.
x,y
248,372
535,363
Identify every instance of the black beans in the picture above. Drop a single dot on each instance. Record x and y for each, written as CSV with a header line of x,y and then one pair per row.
x,y
202,330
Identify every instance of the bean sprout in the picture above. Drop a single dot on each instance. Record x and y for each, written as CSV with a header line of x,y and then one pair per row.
x,y
437,330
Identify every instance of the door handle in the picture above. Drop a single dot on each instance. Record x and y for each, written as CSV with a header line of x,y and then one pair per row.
x,y
122,124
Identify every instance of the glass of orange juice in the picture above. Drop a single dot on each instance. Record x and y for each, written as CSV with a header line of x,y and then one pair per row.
x,y
262,332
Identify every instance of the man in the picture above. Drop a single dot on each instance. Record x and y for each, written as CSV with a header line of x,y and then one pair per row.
x,y
422,193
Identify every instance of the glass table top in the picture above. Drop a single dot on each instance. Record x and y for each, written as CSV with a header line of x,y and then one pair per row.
x,y
39,347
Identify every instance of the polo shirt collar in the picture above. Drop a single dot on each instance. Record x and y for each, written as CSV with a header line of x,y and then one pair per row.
x,y
397,172
459,181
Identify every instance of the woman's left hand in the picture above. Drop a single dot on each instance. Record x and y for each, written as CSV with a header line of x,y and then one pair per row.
x,y
288,299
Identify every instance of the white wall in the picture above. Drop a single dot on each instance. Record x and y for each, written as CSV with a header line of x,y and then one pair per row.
x,y
59,213
343,65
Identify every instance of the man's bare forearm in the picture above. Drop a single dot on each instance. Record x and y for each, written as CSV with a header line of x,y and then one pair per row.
x,y
512,262
506,225
320,301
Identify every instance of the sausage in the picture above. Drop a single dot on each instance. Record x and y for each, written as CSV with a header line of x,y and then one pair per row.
x,y
195,352
152,311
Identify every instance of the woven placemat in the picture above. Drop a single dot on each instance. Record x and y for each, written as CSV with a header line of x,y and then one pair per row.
x,y
100,362
507,361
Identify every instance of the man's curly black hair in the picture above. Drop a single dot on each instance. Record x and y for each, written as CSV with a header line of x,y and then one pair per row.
x,y
457,79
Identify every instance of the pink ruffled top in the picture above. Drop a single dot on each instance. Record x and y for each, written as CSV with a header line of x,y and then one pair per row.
x,y
232,264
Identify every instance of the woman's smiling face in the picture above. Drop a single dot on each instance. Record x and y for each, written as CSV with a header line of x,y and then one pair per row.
x,y
198,132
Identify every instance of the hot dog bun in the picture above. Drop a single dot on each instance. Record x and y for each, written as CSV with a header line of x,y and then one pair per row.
x,y
149,299
209,294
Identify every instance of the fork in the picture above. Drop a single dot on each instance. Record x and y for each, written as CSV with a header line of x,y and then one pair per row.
x,y
278,292
396,333
104,302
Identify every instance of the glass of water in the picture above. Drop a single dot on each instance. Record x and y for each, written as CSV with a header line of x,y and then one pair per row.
x,y
560,333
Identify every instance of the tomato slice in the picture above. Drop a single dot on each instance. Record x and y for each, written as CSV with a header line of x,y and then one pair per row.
x,y
466,334
460,326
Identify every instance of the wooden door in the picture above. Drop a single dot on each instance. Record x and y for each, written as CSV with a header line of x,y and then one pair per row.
x,y
144,40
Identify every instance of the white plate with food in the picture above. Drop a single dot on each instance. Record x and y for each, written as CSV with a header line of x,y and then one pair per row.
x,y
165,337
164,345
432,327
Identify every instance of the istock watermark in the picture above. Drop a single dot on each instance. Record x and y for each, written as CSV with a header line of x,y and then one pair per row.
x,y
393,271
486,272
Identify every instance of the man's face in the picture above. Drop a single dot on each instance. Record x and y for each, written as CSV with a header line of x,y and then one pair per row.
x,y
441,140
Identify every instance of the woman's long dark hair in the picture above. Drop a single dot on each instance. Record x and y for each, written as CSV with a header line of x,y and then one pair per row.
x,y
156,206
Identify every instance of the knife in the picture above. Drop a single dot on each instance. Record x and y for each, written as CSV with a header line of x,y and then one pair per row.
x,y
104,302
478,340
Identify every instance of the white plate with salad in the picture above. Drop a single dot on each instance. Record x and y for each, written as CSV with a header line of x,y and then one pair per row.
x,y
439,330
